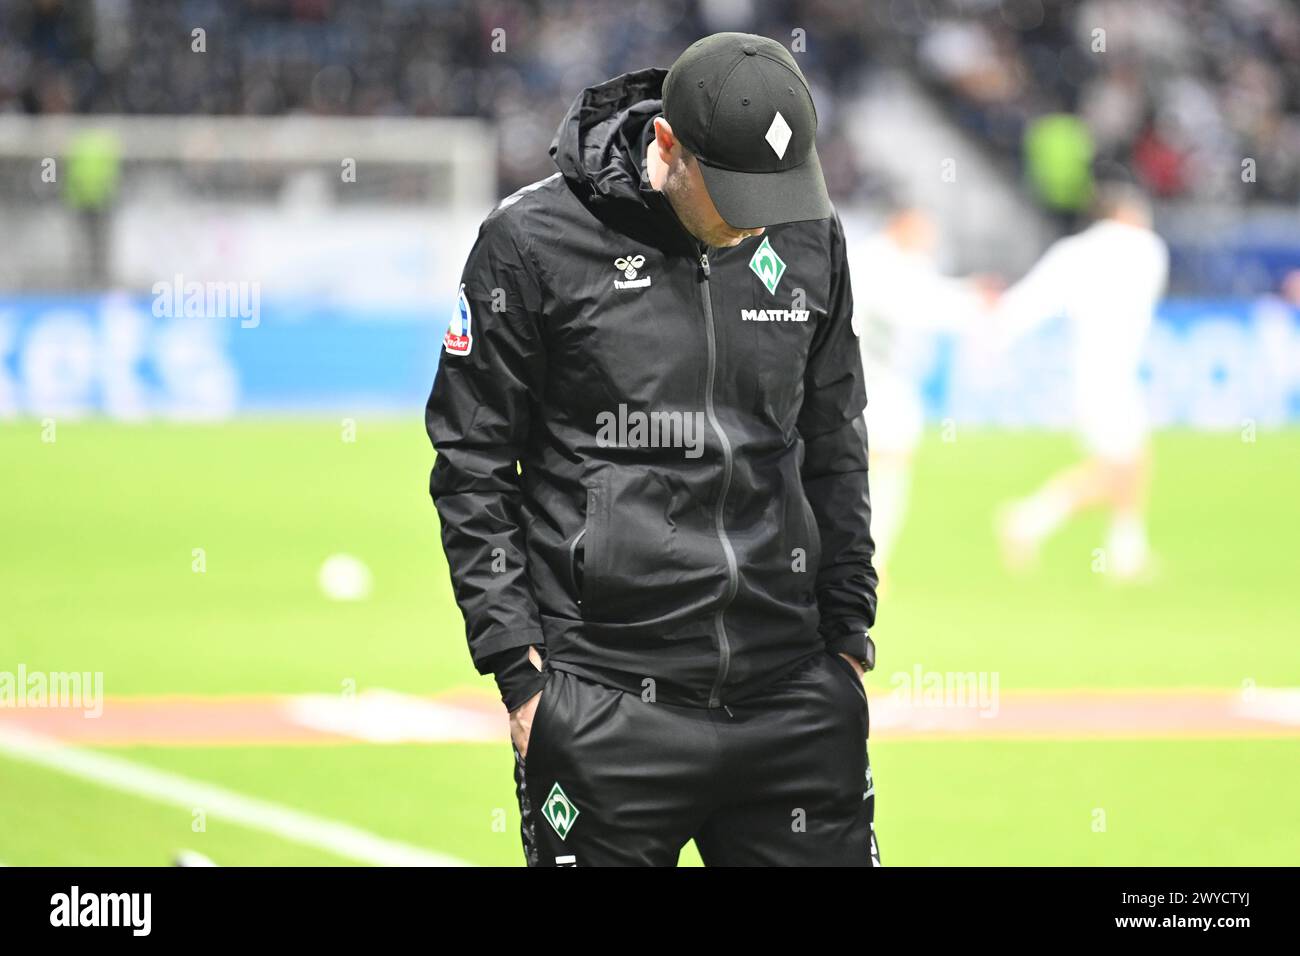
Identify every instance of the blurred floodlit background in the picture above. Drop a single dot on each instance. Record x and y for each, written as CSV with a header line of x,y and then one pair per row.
x,y
221,507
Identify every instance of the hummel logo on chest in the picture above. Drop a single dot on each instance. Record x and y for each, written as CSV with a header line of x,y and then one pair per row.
x,y
629,265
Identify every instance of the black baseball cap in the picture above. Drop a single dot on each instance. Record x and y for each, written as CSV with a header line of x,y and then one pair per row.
x,y
739,103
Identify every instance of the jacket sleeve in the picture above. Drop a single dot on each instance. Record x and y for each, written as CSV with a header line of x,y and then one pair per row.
x,y
834,470
478,416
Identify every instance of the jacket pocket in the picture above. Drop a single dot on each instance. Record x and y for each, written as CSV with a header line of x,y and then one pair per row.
x,y
648,557
575,556
800,537
847,669
586,569
813,546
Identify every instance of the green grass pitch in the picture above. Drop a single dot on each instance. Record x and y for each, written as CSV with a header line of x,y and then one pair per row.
x,y
98,537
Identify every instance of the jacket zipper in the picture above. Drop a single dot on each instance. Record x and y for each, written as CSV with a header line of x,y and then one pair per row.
x,y
733,577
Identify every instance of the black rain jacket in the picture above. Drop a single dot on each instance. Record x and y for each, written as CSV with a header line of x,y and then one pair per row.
x,y
648,460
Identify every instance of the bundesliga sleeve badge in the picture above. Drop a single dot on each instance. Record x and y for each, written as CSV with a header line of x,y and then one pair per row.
x,y
459,339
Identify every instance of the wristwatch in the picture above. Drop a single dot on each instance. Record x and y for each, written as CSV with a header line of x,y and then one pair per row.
x,y
857,645
868,661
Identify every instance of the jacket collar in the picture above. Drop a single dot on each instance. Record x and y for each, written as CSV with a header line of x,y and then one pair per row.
x,y
599,148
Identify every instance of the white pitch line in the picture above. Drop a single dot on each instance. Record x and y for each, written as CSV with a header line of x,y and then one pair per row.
x,y
164,787
1280,705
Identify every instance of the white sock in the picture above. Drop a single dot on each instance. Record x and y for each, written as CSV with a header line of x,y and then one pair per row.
x,y
1127,545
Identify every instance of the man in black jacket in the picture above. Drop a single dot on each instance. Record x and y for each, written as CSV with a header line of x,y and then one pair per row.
x,y
652,480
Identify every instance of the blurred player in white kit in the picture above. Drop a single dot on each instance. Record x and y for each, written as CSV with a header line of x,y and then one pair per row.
x,y
1106,280
900,299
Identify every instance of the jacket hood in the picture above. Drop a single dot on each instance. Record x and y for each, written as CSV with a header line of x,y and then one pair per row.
x,y
599,148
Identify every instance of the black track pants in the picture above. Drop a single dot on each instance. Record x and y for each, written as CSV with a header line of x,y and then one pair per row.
x,y
781,780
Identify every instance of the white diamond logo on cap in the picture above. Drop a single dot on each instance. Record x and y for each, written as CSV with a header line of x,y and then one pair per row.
x,y
778,135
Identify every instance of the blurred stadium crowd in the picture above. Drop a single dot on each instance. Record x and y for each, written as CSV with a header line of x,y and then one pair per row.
x,y
1177,91
379,57
1178,94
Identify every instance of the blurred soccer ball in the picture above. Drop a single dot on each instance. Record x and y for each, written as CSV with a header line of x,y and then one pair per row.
x,y
344,578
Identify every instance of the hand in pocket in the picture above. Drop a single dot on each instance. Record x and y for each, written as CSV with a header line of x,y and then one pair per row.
x,y
521,718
